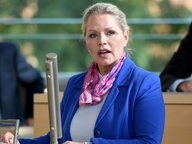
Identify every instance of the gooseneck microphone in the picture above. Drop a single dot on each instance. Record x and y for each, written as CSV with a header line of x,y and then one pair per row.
x,y
53,97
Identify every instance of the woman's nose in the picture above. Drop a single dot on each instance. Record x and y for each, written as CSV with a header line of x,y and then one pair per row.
x,y
102,39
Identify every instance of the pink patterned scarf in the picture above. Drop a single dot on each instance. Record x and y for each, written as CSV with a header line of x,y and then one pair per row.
x,y
95,88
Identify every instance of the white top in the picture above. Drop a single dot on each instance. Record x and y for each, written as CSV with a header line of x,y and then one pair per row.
x,y
83,122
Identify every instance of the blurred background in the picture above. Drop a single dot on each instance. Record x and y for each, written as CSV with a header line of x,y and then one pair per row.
x,y
43,26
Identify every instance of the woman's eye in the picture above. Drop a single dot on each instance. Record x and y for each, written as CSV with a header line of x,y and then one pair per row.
x,y
92,35
110,33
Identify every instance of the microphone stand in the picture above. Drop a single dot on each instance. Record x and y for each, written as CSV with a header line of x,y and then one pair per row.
x,y
53,98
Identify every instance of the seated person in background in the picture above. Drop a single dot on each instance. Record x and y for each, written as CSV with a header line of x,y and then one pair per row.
x,y
175,76
115,101
15,71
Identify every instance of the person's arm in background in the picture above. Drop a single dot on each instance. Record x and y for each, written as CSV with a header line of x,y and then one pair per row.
x,y
32,82
174,76
30,89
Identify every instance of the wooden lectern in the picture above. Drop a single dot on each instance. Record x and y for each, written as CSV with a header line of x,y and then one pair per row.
x,y
178,125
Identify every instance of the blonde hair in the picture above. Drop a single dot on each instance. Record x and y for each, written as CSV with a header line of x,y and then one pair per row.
x,y
105,8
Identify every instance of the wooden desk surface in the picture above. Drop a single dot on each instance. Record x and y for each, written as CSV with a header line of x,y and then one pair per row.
x,y
177,98
42,98
178,124
169,98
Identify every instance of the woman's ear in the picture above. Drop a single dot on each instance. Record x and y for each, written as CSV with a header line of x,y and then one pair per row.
x,y
126,36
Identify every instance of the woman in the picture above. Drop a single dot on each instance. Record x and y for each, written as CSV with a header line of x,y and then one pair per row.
x,y
114,101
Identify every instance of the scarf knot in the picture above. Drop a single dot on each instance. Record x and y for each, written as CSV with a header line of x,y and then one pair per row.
x,y
94,88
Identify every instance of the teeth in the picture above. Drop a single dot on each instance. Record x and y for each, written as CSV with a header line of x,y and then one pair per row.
x,y
104,51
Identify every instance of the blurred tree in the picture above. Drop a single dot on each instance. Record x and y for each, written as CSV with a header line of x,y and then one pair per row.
x,y
151,48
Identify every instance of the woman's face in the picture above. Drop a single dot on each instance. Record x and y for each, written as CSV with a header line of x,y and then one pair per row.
x,y
105,41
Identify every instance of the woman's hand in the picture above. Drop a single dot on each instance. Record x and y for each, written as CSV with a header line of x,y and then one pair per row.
x,y
8,138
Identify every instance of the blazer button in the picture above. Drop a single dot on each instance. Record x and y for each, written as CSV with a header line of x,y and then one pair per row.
x,y
97,133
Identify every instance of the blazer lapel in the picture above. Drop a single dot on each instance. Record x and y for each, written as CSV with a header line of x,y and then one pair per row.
x,y
121,80
108,102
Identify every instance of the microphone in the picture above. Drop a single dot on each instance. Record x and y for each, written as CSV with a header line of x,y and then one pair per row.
x,y
53,97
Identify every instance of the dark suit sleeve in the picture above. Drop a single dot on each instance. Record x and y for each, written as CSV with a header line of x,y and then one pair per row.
x,y
179,66
36,86
31,80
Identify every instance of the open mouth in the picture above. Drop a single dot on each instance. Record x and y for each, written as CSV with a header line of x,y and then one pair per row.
x,y
103,52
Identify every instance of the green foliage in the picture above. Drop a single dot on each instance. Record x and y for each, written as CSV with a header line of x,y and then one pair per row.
x,y
64,39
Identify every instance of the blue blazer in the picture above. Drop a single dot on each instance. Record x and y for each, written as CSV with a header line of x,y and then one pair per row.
x,y
133,112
